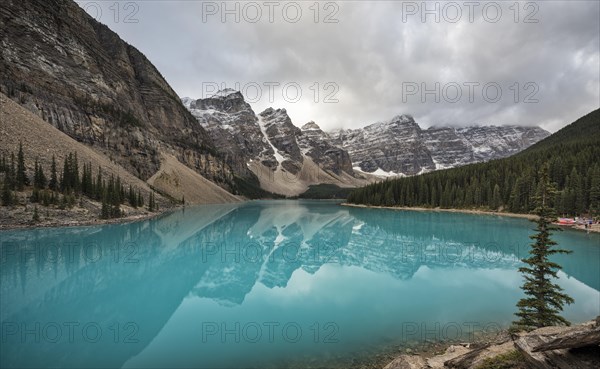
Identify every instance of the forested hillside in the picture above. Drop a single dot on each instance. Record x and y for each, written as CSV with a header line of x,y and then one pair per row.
x,y
572,155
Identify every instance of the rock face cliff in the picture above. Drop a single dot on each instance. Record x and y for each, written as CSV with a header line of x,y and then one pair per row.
x,y
323,149
79,76
401,147
233,127
396,146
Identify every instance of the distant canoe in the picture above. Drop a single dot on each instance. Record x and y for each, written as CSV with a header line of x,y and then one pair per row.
x,y
566,221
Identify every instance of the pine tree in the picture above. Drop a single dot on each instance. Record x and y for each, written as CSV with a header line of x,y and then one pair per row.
x,y
595,191
7,196
39,178
45,198
544,298
35,195
496,199
36,215
99,188
105,212
12,172
85,184
76,183
21,176
53,184
3,166
66,175
151,202
140,199
131,198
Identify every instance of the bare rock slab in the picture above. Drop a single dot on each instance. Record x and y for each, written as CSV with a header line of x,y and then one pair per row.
x,y
407,362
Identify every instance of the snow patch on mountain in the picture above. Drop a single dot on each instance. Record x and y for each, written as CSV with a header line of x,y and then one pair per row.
x,y
280,159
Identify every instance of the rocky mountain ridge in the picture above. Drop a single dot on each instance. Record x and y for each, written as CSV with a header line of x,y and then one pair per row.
x,y
285,158
269,142
402,147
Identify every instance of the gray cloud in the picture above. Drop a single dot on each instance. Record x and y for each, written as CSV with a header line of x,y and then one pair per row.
x,y
371,53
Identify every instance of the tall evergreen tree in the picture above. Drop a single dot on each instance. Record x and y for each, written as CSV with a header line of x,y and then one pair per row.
x,y
53,184
105,212
12,172
151,202
7,195
140,199
496,198
595,191
99,188
39,178
545,299
131,197
21,176
3,164
36,215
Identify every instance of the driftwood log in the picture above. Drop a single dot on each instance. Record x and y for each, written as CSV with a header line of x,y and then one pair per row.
x,y
465,361
571,340
573,348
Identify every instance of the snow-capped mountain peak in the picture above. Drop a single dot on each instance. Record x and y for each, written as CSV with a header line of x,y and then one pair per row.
x,y
187,102
225,92
311,126
270,142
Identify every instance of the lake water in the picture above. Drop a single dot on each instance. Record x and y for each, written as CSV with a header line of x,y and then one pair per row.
x,y
268,284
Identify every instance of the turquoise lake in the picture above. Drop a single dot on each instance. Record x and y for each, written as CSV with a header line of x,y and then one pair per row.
x,y
268,284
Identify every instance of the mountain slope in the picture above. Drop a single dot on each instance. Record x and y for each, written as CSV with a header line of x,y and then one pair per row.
x,y
41,140
182,183
571,154
79,76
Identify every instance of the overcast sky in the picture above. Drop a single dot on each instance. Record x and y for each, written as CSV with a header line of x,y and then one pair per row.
x,y
370,61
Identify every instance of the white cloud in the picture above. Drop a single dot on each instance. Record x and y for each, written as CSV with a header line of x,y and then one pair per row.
x,y
371,52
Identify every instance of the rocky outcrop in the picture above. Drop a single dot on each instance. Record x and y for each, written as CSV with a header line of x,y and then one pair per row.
x,y
495,142
448,148
233,127
79,76
395,147
281,134
323,149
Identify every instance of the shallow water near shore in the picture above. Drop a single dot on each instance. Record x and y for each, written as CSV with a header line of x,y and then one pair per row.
x,y
268,284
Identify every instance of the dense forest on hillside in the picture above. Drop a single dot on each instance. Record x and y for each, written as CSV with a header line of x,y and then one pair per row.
x,y
572,155
63,187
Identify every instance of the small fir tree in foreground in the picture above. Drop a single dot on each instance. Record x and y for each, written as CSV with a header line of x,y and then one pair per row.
x,y
545,299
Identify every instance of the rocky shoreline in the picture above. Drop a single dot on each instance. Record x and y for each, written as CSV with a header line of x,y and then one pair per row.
x,y
560,347
83,214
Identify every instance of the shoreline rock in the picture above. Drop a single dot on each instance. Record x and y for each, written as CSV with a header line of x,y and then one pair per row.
x,y
576,347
